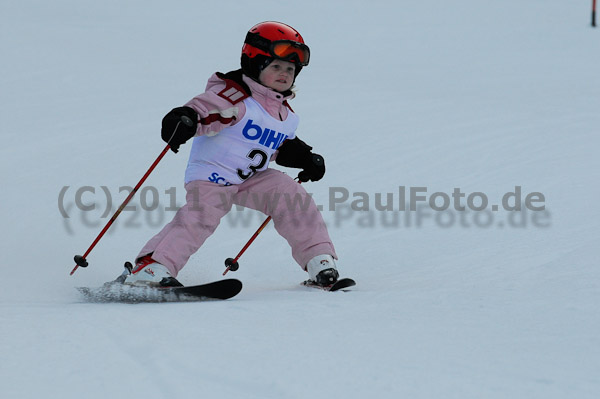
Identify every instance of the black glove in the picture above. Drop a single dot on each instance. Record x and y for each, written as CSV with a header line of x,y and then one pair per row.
x,y
314,170
297,154
175,135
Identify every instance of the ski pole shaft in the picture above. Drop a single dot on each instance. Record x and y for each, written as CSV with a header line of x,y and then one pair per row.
x,y
80,260
594,13
232,263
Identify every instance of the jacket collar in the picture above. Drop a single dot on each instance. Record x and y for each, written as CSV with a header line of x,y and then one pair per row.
x,y
263,93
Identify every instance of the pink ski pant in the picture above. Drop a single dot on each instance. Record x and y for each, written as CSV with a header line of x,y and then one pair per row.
x,y
295,217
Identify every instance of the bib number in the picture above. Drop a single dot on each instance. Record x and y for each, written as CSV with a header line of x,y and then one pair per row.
x,y
258,158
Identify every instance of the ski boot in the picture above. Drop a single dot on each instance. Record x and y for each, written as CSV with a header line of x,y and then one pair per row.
x,y
322,270
148,272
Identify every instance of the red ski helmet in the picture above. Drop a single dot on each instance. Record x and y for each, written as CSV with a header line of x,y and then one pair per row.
x,y
271,40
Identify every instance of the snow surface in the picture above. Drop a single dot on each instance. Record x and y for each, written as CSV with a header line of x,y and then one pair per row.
x,y
471,94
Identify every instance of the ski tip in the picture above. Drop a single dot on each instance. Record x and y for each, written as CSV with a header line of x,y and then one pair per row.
x,y
343,283
339,285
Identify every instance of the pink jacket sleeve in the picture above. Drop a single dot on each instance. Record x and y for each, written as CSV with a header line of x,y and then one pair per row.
x,y
218,107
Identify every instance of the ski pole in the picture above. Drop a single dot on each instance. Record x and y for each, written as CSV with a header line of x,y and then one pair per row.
x,y
232,263
80,260
594,13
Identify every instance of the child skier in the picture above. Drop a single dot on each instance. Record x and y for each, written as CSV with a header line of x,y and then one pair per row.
x,y
240,124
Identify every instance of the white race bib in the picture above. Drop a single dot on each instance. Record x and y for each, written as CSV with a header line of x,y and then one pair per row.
x,y
237,152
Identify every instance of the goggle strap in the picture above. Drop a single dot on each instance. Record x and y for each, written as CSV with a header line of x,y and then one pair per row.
x,y
256,40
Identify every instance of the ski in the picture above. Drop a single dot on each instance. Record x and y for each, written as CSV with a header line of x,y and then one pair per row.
x,y
116,291
339,285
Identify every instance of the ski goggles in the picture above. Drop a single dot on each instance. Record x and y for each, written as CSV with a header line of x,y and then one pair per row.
x,y
287,50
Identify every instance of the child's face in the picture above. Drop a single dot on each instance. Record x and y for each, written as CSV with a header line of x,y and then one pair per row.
x,y
278,75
